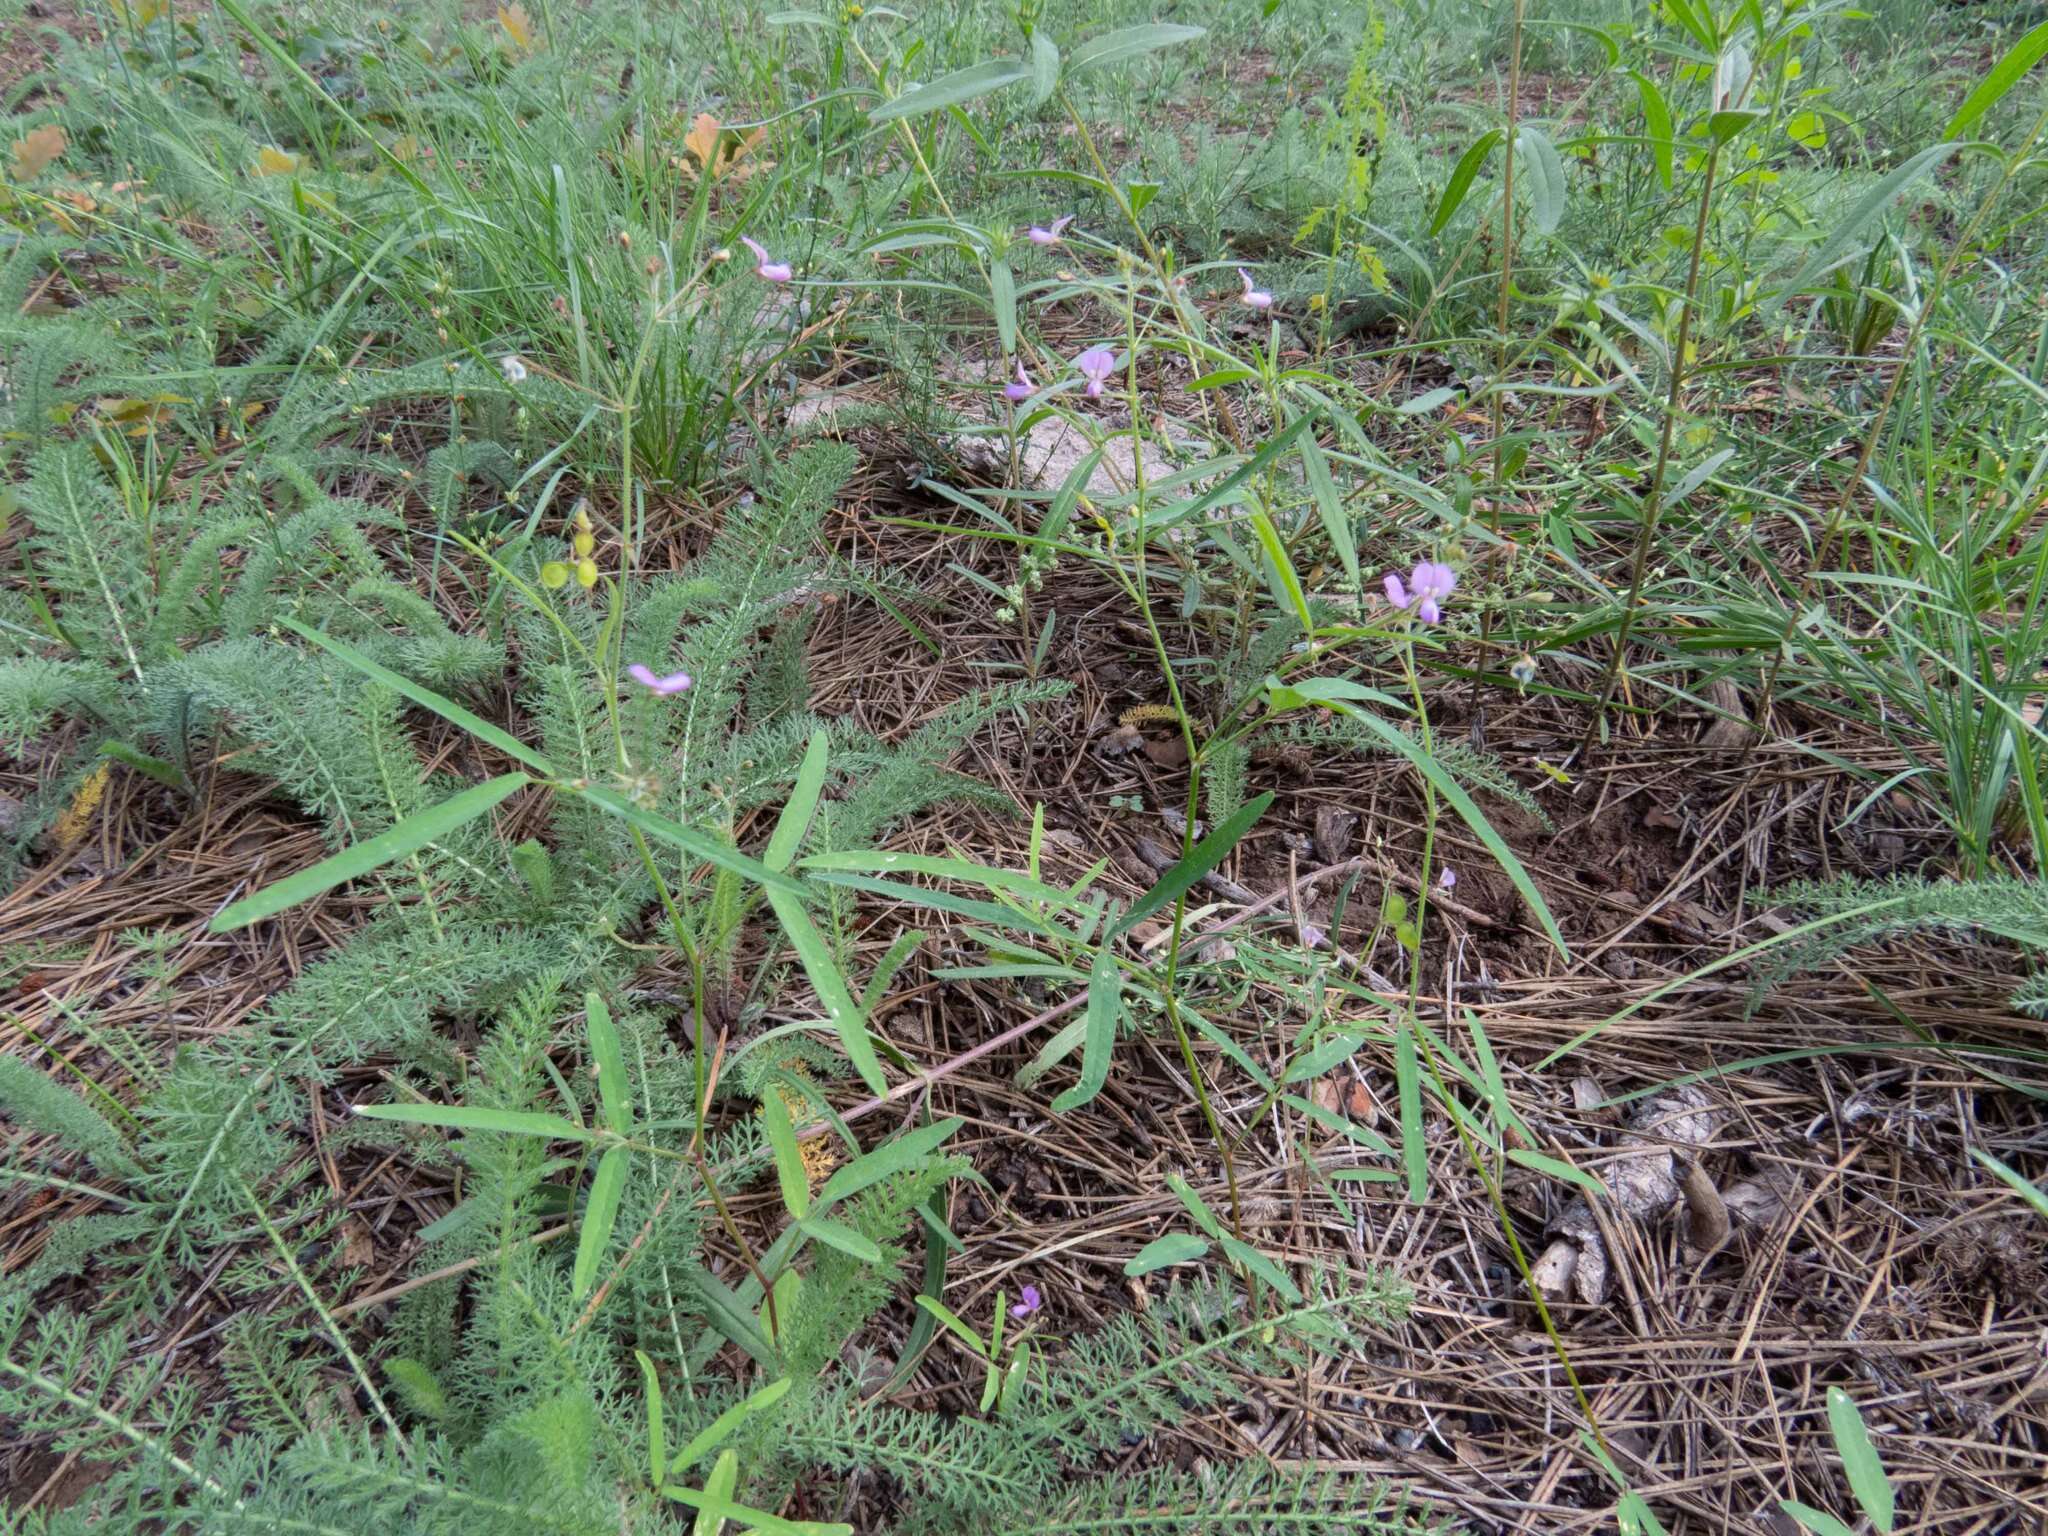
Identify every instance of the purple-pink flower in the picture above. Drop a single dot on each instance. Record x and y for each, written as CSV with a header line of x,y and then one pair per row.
x,y
1020,388
1448,879
1257,298
1028,1302
1096,365
1039,234
1429,586
675,682
774,271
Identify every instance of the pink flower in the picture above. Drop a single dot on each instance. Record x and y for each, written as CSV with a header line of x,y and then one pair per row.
x,y
675,682
1432,583
1028,1302
1096,365
1038,234
1257,298
1448,879
1021,389
774,271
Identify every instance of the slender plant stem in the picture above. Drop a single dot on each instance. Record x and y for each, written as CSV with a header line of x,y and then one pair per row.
x,y
1653,502
1507,283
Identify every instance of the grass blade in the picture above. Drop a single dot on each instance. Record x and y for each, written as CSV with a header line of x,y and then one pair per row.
x,y
408,837
1098,1042
598,1218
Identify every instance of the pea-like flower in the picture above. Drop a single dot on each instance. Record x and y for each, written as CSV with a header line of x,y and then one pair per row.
x,y
773,271
1028,1302
1448,880
1019,389
1096,365
1523,671
675,682
1039,234
1256,298
514,367
1429,585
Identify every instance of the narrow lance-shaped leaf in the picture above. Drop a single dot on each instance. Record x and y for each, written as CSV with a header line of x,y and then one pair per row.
x,y
1462,176
610,1061
2003,76
598,1216
1200,859
410,835
1546,177
1860,1462
840,1009
1129,43
1831,250
789,1161
1098,1044
466,1117
951,90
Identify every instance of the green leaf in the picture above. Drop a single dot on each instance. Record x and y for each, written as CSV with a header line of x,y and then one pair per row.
x,y
1546,177
1468,812
699,845
1174,1248
463,1117
840,1009
1867,207
1219,378
408,837
951,90
657,1439
1657,121
1807,129
1262,1266
1098,1044
156,768
598,1217
1195,1206
1860,1461
1200,859
2029,1192
1408,1084
1329,506
789,1161
1139,195
1280,571
612,1091
1557,1168
1002,292
2004,75
954,1324
1427,401
713,1434
1045,67
1819,1521
1462,176
908,1151
838,1235
426,698
1004,880
1730,121
1129,43
801,806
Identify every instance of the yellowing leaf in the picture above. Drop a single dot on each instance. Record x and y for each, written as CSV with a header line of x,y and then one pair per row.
x,y
272,161
71,826
36,150
518,26
139,13
703,144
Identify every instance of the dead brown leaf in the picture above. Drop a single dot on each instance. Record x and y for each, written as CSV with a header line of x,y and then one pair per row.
x,y
37,150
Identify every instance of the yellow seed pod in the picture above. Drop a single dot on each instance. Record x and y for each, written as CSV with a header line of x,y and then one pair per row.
x,y
582,515
586,573
584,543
554,574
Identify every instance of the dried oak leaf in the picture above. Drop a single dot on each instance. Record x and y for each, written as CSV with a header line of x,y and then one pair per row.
x,y
37,150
